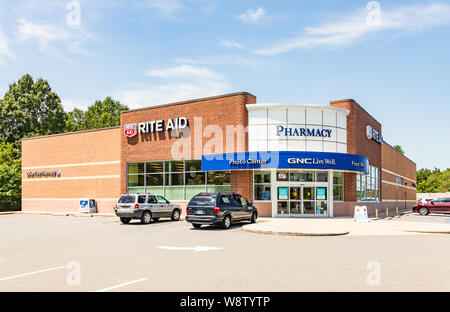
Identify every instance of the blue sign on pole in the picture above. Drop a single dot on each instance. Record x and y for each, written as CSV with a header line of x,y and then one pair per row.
x,y
285,160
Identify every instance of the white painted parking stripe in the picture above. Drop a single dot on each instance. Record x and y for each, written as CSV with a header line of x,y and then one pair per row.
x,y
121,285
31,273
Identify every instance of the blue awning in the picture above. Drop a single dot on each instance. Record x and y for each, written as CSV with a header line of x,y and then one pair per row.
x,y
285,160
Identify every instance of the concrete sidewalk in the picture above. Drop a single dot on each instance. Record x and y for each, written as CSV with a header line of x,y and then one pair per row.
x,y
342,226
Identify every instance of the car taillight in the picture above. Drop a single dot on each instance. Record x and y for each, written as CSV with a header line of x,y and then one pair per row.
x,y
187,209
216,210
136,206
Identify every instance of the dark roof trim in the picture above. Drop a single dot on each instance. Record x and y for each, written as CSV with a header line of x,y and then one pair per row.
x,y
68,133
188,101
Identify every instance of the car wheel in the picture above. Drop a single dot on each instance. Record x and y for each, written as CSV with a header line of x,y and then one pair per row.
x,y
253,218
197,226
226,223
175,215
125,220
155,219
146,217
424,211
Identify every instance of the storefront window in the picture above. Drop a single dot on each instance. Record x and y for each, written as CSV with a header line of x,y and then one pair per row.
x,y
218,177
261,183
193,165
154,179
195,178
368,185
174,166
282,175
135,180
338,186
135,168
321,176
154,167
170,179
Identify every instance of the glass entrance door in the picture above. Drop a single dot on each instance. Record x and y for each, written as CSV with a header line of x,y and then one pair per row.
x,y
302,200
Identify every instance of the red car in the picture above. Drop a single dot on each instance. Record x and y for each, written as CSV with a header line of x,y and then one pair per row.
x,y
441,205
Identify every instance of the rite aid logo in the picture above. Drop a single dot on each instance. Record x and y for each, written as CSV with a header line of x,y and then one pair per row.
x,y
130,130
373,134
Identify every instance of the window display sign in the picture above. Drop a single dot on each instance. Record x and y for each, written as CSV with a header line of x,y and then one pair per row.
x,y
282,193
360,214
265,195
321,193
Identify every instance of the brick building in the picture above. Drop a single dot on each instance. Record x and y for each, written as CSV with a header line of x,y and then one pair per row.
x,y
292,160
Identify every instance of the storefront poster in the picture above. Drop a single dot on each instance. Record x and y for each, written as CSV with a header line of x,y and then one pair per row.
x,y
321,193
282,193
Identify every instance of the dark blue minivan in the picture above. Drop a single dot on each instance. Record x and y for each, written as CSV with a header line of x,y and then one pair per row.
x,y
219,208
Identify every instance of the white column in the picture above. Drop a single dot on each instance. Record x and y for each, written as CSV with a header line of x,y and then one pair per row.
x,y
330,193
273,191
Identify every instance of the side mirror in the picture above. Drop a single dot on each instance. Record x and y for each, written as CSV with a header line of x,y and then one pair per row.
x,y
250,203
432,202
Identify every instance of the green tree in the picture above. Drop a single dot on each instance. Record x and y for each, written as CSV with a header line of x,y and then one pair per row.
x,y
29,109
103,114
435,181
75,120
399,149
10,176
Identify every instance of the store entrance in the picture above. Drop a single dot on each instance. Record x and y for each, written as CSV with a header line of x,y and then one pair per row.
x,y
302,200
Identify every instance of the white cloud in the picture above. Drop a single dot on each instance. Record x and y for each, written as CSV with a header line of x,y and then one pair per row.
x,y
49,37
169,8
173,9
5,52
44,34
253,16
218,60
174,84
231,44
355,27
184,71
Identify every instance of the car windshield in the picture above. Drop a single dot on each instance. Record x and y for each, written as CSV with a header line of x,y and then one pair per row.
x,y
203,200
126,199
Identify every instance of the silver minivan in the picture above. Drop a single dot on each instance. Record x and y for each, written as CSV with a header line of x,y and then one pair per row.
x,y
146,207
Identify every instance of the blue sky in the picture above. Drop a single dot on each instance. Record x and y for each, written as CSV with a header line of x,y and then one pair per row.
x,y
392,57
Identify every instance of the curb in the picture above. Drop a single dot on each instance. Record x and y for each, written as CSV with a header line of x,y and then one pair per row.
x,y
294,233
425,231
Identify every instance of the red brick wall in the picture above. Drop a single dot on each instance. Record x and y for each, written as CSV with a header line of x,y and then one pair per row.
x,y
396,164
223,111
242,183
357,141
73,154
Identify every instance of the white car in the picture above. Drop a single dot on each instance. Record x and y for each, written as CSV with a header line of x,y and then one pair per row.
x,y
425,200
146,207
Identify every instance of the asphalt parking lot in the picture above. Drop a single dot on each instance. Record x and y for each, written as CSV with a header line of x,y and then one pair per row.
x,y
433,218
52,253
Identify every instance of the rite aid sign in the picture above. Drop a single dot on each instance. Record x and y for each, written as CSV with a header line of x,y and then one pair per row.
x,y
373,134
130,130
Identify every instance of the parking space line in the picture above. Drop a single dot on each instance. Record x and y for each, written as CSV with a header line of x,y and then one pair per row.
x,y
121,285
31,273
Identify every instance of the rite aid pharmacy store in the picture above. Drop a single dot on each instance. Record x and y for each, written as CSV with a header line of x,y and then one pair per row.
x,y
291,160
